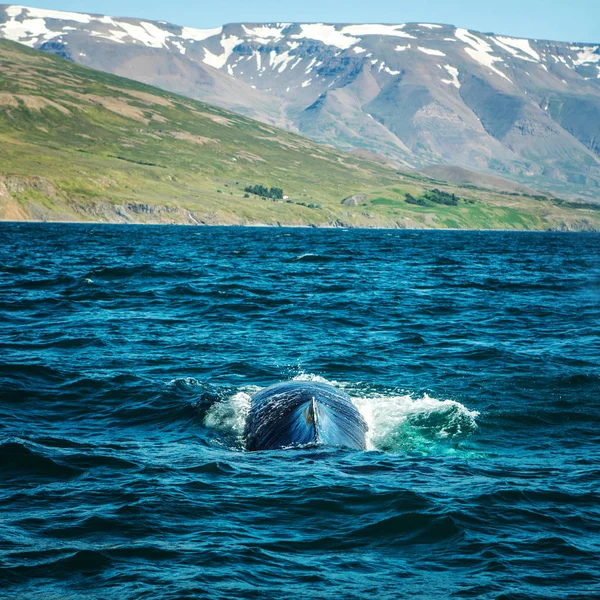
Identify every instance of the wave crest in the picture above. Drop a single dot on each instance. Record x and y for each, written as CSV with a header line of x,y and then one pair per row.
x,y
228,417
407,424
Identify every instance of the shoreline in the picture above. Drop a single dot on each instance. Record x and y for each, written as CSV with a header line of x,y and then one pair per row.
x,y
292,226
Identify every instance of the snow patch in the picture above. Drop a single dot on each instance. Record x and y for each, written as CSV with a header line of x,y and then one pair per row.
x,y
401,48
453,71
391,71
266,33
199,35
311,64
27,32
282,60
33,28
327,34
349,35
587,55
430,51
41,13
218,61
517,47
113,35
147,33
307,83
358,50
480,51
385,30
430,26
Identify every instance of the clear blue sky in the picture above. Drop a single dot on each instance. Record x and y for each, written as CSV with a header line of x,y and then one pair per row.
x,y
569,20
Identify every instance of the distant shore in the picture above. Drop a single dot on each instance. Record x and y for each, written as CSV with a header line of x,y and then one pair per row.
x,y
296,226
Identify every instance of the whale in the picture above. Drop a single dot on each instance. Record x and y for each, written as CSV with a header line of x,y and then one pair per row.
x,y
296,414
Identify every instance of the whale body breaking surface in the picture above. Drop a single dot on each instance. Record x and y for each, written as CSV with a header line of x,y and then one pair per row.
x,y
301,413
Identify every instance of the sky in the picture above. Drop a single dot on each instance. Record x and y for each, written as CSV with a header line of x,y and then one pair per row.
x,y
565,20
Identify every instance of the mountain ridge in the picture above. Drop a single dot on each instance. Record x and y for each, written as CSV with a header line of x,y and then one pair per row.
x,y
84,145
419,93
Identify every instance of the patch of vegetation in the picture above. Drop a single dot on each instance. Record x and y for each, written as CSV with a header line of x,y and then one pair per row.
x,y
439,197
274,193
306,204
410,199
384,202
574,204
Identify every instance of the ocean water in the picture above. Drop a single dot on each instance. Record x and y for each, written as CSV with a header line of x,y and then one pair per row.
x,y
128,356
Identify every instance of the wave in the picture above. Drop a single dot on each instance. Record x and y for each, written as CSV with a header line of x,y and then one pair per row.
x,y
311,258
228,416
416,425
17,461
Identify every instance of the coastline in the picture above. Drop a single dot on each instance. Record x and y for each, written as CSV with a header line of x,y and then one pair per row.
x,y
294,226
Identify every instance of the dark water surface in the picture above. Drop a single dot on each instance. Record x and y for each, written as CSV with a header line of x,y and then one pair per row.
x,y
127,356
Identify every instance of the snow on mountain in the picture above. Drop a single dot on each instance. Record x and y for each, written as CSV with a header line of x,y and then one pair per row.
x,y
418,93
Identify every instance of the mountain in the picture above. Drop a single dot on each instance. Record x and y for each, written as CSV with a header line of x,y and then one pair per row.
x,y
83,145
418,94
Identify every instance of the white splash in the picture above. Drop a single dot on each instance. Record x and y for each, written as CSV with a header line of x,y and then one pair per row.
x,y
303,376
407,424
229,416
397,423
404,423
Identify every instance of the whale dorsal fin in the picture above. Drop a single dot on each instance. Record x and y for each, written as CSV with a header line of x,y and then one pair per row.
x,y
314,413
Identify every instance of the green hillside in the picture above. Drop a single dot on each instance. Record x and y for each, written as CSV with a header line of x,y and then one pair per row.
x,y
80,145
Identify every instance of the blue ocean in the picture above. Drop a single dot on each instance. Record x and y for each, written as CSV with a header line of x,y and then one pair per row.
x,y
128,357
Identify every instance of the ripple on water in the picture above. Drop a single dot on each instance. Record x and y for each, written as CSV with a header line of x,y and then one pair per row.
x,y
128,357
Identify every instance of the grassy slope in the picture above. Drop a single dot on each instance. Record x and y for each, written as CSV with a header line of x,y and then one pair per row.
x,y
77,144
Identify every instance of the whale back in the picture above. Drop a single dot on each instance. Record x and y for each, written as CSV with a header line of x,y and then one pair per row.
x,y
301,413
